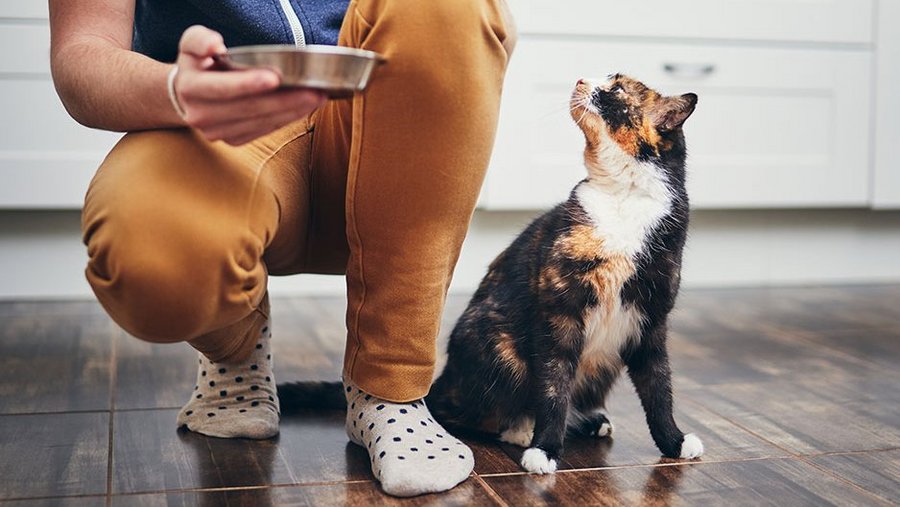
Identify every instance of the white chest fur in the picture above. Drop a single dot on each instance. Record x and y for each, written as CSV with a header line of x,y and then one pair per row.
x,y
625,200
623,215
607,331
624,197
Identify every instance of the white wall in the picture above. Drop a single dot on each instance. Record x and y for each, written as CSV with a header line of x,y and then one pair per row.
x,y
44,257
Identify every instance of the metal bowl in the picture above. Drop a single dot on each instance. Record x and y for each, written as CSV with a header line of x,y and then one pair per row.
x,y
338,71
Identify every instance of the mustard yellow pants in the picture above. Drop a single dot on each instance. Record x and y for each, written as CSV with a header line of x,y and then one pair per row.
x,y
182,233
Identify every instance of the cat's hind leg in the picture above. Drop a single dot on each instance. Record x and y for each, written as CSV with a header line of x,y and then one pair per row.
x,y
588,415
595,423
520,433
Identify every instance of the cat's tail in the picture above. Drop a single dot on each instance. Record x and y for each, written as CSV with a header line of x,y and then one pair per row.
x,y
311,394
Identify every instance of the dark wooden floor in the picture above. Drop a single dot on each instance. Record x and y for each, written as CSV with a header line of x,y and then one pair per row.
x,y
795,393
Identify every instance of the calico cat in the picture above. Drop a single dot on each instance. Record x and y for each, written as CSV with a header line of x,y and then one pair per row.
x,y
585,290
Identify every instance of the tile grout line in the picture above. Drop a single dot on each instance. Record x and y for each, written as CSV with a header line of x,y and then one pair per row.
x,y
738,425
799,456
113,379
651,465
188,490
842,479
225,489
804,336
489,490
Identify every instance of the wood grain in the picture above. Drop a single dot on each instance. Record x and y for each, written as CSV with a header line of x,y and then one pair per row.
x,y
758,483
811,416
53,454
876,472
72,501
631,443
355,493
769,379
54,363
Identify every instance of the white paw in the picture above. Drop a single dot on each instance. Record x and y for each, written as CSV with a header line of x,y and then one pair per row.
x,y
519,434
605,429
691,447
536,461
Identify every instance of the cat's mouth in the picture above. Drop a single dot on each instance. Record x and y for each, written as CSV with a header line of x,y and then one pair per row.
x,y
581,104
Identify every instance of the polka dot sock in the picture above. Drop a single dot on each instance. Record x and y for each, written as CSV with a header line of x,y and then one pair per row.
x,y
235,400
410,453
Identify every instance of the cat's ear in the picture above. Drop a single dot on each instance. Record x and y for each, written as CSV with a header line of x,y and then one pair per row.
x,y
671,112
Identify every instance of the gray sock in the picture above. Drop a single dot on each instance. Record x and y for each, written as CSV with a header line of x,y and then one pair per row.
x,y
235,400
410,453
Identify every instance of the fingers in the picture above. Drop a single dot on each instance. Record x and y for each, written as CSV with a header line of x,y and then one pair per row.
x,y
194,82
299,101
238,105
201,42
282,107
216,86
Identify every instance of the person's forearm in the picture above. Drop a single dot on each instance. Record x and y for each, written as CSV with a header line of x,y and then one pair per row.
x,y
106,87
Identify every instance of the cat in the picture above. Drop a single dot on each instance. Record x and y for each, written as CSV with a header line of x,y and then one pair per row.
x,y
584,291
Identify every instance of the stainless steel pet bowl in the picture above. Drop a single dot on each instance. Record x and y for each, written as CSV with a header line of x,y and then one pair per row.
x,y
338,71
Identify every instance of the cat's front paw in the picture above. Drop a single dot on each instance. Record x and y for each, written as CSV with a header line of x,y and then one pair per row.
x,y
691,447
536,461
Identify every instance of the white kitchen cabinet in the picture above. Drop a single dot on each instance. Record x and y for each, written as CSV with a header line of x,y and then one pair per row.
x,y
835,21
23,9
784,118
886,181
773,127
46,158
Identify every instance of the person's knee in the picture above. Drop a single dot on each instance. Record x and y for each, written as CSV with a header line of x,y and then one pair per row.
x,y
172,286
170,247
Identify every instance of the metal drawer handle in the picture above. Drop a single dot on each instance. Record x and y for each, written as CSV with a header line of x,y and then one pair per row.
x,y
689,70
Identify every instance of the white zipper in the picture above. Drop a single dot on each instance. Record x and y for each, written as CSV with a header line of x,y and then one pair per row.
x,y
294,21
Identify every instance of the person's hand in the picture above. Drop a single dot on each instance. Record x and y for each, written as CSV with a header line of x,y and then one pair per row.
x,y
236,106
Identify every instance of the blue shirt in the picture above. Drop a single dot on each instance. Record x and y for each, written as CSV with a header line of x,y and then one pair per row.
x,y
158,24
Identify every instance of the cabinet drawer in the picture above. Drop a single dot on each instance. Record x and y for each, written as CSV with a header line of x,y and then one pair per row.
x,y
846,21
32,48
773,127
46,158
23,9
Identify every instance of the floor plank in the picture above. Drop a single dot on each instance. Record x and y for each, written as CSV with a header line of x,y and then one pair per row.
x,y
53,454
53,363
71,501
631,443
769,379
150,455
826,308
807,417
470,493
153,376
880,347
876,472
759,483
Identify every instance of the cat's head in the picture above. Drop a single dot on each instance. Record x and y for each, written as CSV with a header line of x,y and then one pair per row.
x,y
623,113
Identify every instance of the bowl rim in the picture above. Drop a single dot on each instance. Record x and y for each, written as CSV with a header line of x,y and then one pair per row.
x,y
279,49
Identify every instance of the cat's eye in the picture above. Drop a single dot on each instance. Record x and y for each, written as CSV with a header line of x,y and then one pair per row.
x,y
617,89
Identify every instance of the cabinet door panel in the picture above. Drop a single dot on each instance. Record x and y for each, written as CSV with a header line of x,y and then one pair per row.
x,y
23,9
32,48
46,158
886,180
773,127
843,21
